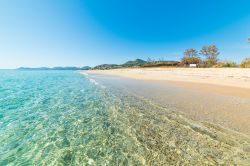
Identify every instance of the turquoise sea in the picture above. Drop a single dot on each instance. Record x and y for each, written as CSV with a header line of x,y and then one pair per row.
x,y
66,118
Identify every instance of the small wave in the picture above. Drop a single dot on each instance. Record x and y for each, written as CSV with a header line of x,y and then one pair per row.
x,y
92,80
96,83
85,74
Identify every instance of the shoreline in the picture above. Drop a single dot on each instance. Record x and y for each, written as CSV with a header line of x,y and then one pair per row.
x,y
228,106
236,77
225,81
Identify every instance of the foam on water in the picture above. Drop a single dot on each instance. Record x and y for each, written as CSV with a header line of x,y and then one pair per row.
x,y
62,118
93,81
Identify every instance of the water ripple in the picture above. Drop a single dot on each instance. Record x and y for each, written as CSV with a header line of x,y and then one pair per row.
x,y
61,118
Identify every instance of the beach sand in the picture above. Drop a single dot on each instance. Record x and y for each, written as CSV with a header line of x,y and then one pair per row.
x,y
218,96
235,77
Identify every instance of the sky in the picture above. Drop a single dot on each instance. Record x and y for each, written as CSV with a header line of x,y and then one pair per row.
x,y
38,33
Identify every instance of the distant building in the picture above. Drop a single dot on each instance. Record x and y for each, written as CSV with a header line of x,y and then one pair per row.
x,y
193,65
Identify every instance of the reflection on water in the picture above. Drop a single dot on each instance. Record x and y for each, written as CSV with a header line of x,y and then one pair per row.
x,y
54,117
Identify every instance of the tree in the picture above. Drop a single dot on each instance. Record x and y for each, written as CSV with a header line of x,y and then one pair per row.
x,y
190,57
248,39
245,63
149,60
191,53
211,53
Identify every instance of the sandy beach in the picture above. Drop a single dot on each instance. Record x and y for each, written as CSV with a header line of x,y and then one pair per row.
x,y
220,96
229,81
235,77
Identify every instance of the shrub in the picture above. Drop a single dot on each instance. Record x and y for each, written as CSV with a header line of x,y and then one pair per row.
x,y
190,57
226,64
186,61
245,63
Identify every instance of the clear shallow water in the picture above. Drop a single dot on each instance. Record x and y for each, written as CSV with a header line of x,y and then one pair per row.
x,y
62,117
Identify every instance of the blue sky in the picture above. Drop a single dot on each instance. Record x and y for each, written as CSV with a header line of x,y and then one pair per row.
x,y
38,33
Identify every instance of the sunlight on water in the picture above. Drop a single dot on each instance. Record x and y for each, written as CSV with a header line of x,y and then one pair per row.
x,y
62,117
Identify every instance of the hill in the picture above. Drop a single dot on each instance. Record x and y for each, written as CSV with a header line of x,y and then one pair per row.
x,y
137,63
55,68
128,64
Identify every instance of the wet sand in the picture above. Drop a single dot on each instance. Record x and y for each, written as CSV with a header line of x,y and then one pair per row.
x,y
224,105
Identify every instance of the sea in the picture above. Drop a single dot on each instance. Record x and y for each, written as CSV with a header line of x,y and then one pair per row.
x,y
50,117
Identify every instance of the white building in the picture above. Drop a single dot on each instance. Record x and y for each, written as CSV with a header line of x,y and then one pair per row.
x,y
193,65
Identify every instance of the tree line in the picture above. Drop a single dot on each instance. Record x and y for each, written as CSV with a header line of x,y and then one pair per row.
x,y
208,57
192,56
